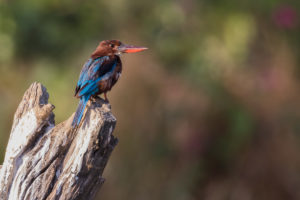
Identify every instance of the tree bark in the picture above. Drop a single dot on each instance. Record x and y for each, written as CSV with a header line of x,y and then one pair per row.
x,y
44,161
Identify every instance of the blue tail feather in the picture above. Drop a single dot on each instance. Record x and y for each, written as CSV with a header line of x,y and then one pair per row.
x,y
80,110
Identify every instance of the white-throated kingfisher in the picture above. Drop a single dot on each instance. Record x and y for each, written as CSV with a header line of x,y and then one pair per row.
x,y
100,73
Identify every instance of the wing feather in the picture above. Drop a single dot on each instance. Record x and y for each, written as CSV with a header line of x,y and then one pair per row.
x,y
93,71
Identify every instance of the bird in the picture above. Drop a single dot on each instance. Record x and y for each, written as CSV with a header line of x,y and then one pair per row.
x,y
100,73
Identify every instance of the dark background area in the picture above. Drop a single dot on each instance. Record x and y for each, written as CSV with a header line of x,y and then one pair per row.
x,y
211,111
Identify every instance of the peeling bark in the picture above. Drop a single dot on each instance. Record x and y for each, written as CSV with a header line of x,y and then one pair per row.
x,y
44,161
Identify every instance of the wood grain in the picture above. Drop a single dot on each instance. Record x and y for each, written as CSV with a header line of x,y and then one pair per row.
x,y
48,161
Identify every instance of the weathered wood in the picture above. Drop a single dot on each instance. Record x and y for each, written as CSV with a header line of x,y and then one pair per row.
x,y
44,161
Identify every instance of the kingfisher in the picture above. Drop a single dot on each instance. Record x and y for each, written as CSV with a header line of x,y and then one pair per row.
x,y
100,73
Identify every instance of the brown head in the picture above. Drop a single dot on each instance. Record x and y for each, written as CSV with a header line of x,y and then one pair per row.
x,y
114,47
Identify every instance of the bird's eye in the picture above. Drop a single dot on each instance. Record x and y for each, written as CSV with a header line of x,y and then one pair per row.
x,y
112,45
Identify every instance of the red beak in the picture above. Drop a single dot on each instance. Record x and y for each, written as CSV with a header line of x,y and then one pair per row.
x,y
131,49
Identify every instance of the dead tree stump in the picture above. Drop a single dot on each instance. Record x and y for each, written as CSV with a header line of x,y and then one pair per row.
x,y
44,161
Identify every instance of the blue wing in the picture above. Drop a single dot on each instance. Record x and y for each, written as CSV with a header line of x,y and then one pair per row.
x,y
94,71
83,72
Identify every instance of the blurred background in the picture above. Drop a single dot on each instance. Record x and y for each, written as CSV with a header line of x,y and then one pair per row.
x,y
211,111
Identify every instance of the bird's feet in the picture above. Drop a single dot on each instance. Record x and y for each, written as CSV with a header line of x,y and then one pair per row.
x,y
95,98
105,97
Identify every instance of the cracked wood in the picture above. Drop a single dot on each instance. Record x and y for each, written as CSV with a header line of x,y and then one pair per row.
x,y
44,161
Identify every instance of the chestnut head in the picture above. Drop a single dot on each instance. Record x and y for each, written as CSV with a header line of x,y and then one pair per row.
x,y
115,47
